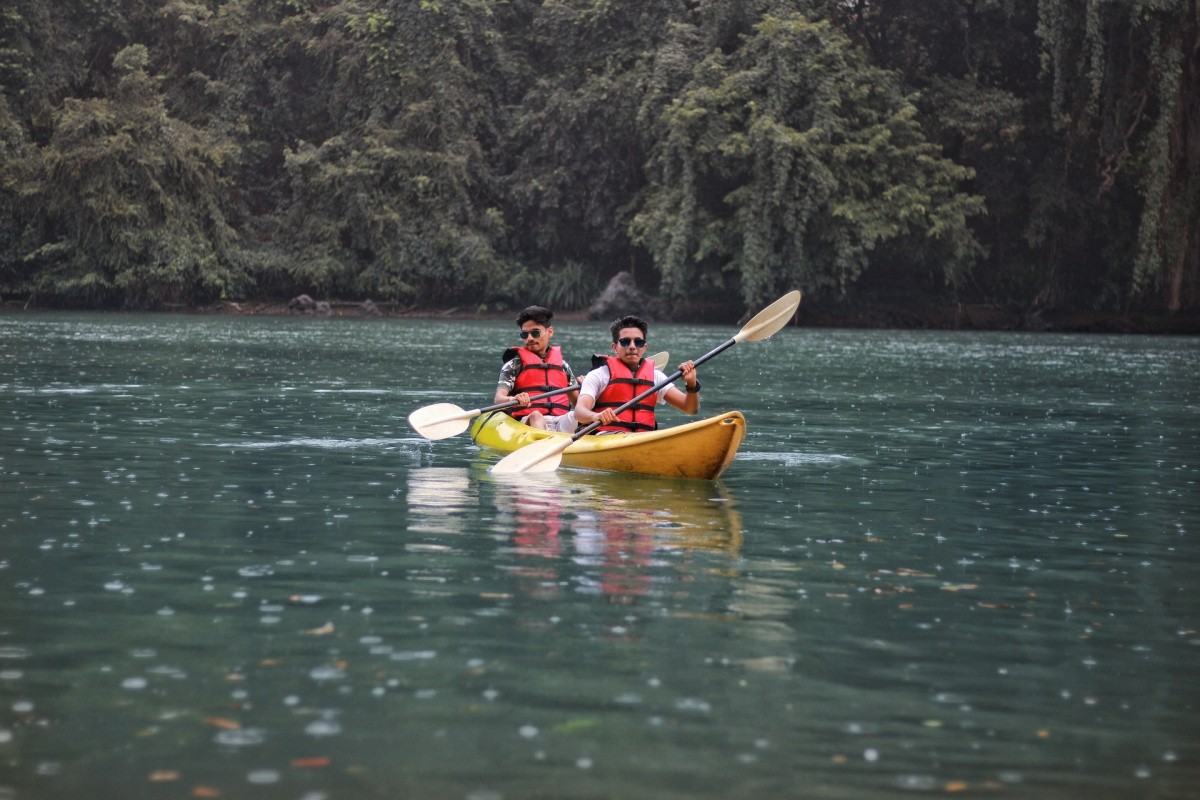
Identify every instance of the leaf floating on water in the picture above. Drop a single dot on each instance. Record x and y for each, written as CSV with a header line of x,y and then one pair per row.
x,y
960,587
956,786
324,630
223,723
312,762
163,775
205,791
573,725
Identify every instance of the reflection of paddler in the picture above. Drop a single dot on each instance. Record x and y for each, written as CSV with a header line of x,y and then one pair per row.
x,y
613,523
443,498
536,512
677,513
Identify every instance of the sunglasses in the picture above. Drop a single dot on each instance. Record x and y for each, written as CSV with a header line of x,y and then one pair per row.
x,y
534,332
625,341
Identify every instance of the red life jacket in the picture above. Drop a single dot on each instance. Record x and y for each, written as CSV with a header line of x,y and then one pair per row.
x,y
622,387
537,376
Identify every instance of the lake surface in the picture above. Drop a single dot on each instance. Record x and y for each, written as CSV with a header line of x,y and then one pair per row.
x,y
942,563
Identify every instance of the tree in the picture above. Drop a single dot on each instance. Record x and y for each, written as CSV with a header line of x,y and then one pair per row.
x,y
130,202
792,162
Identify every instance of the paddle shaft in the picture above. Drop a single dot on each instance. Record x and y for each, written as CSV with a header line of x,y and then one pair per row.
x,y
674,376
511,403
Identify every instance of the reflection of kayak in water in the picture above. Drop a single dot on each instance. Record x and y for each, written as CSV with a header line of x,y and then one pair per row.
x,y
701,449
671,513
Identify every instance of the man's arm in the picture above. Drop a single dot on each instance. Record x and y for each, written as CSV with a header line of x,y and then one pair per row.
x,y
687,402
507,382
593,384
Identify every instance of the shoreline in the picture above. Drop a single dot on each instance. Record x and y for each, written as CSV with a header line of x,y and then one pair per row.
x,y
870,316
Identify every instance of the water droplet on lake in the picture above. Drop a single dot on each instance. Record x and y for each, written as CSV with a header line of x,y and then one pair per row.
x,y
256,571
134,683
327,673
323,727
693,704
263,776
871,754
528,731
584,763
240,737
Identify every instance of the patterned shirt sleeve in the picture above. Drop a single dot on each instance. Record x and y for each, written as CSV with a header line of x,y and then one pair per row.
x,y
508,374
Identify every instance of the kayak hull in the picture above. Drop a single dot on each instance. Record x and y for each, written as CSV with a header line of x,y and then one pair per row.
x,y
701,449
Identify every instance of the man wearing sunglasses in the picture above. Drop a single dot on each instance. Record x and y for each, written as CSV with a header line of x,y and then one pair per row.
x,y
534,368
619,378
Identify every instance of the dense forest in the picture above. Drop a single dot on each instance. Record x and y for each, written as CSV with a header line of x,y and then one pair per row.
x,y
1023,155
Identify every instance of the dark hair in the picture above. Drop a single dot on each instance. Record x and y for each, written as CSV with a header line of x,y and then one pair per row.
x,y
628,321
538,314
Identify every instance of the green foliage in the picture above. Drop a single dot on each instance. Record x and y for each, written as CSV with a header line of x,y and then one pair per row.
x,y
788,163
570,287
163,151
129,203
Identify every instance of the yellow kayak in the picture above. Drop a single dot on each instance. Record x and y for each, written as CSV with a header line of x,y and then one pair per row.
x,y
701,449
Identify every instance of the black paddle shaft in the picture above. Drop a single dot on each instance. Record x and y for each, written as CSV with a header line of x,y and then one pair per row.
x,y
674,376
550,393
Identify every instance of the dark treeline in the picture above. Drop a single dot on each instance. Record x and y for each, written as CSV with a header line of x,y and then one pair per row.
x,y
447,152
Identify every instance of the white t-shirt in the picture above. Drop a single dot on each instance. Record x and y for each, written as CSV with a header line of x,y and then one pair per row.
x,y
596,380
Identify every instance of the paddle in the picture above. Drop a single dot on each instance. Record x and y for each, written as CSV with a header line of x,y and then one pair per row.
x,y
443,420
545,455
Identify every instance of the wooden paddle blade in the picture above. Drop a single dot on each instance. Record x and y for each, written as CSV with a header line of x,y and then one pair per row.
x,y
659,359
440,420
770,320
541,456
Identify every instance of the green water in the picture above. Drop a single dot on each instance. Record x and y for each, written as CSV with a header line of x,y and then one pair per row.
x,y
942,563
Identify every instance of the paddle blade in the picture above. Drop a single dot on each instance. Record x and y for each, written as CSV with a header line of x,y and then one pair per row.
x,y
541,456
440,420
770,320
660,359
